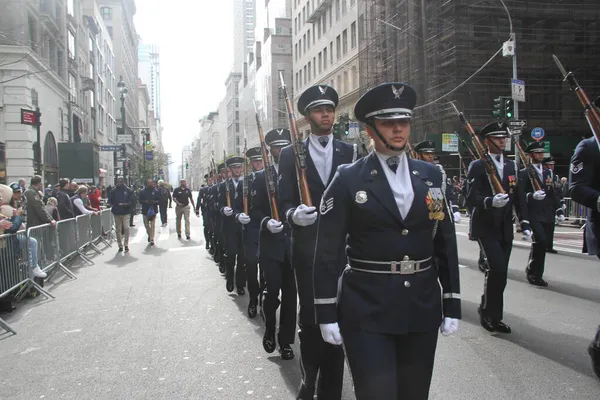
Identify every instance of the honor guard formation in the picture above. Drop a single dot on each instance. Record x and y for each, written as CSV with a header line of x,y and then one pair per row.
x,y
366,248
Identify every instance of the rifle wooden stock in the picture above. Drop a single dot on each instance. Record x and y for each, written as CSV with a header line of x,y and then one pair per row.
x,y
591,114
527,163
490,167
269,178
298,147
227,194
245,182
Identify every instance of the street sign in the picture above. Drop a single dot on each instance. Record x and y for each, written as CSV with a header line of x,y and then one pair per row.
x,y
537,134
28,117
518,123
148,147
450,142
160,171
353,130
123,159
518,90
515,131
149,155
547,147
115,147
124,139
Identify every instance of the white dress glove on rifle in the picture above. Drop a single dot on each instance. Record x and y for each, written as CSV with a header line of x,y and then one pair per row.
x,y
500,200
539,195
560,219
304,215
243,218
331,333
527,234
449,326
457,216
274,226
227,211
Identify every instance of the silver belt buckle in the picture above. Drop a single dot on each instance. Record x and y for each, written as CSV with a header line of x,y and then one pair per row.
x,y
407,267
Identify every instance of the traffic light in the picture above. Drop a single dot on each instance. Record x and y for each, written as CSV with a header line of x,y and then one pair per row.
x,y
336,130
147,139
509,108
186,165
347,128
499,110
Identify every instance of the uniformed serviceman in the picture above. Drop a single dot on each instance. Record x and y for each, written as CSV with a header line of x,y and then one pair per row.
x,y
217,223
274,257
537,212
251,230
201,208
550,163
584,187
233,219
492,223
426,152
324,154
389,213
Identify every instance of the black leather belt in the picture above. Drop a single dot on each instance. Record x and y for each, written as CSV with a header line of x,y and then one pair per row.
x,y
404,267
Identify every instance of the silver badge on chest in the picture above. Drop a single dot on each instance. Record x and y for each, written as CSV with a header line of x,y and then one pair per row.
x,y
361,197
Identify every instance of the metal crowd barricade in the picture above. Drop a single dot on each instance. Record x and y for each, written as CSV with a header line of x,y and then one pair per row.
x,y
15,269
84,234
67,241
108,225
47,246
96,230
575,212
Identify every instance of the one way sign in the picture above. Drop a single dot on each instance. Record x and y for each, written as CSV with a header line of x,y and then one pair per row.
x,y
518,90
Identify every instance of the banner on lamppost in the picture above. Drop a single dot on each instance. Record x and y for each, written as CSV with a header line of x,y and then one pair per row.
x,y
149,155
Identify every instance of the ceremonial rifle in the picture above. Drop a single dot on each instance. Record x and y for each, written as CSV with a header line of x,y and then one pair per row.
x,y
269,177
245,181
227,194
482,154
298,147
591,114
411,152
533,177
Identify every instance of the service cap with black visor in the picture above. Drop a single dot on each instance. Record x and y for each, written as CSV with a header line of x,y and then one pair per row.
x,y
400,243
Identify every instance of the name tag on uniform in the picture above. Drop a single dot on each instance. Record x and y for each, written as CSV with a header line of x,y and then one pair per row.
x,y
435,204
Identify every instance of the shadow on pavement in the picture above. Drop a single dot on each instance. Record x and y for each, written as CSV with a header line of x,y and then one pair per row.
x,y
567,350
568,289
121,259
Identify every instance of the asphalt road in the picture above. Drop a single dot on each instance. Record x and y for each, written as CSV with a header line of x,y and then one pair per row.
x,y
158,324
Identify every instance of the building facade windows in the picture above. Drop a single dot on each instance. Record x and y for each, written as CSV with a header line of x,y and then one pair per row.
x,y
106,13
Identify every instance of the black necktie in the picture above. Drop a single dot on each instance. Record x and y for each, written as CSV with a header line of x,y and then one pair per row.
x,y
324,140
498,158
392,162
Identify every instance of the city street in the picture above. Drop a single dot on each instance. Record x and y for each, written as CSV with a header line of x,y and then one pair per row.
x,y
158,324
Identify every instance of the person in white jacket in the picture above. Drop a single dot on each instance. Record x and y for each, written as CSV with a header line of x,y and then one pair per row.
x,y
77,201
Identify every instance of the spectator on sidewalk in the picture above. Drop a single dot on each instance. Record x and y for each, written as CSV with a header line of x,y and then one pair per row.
x,y
149,198
165,200
183,197
78,202
121,200
34,212
72,188
13,224
65,206
94,197
22,184
52,208
16,201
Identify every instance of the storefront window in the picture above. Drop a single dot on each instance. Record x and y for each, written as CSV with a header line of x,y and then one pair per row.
x,y
2,164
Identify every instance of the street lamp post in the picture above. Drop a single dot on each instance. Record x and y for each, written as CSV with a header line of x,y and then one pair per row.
x,y
123,94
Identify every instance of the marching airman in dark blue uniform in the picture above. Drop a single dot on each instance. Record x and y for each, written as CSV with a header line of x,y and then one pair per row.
x,y
538,212
426,152
584,187
251,230
492,223
274,256
201,208
218,239
324,155
389,214
233,217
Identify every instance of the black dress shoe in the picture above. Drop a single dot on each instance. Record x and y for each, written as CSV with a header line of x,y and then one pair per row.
x,y
492,325
286,352
269,341
487,323
482,267
222,270
552,251
126,249
502,327
241,291
120,250
536,281
229,287
252,309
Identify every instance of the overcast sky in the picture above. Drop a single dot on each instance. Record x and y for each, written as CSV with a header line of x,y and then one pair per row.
x,y
196,55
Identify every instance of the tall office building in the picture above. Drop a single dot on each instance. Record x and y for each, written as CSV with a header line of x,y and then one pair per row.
x,y
149,73
325,42
244,16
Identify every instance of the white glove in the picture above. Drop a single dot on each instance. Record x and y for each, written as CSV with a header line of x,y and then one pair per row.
x,y
449,326
227,211
274,226
564,207
560,219
527,234
243,219
331,333
304,215
500,200
457,216
539,195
